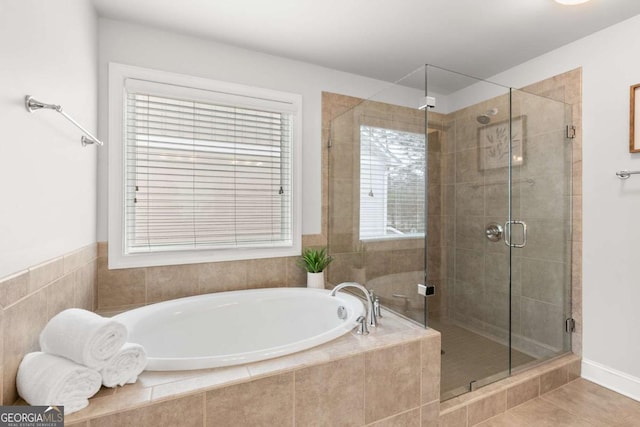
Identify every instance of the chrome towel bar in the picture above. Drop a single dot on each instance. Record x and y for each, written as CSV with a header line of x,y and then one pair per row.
x,y
624,174
31,105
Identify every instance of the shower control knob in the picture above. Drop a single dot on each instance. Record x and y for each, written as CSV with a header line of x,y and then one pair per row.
x,y
493,231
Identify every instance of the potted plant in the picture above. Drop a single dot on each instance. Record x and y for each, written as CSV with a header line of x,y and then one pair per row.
x,y
315,261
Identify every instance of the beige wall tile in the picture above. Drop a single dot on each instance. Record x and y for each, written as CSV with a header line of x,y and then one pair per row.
x,y
523,392
574,370
187,412
430,414
23,322
296,276
392,382
60,295
554,379
487,407
430,354
264,402
171,282
407,419
86,285
266,273
206,380
13,288
454,418
331,393
77,259
222,276
120,287
45,273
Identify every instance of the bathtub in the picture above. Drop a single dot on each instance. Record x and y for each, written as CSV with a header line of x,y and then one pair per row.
x,y
232,328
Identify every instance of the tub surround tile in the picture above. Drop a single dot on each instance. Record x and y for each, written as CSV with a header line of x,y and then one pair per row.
x,y
267,401
288,363
171,282
86,284
222,276
266,273
23,322
332,392
430,355
187,412
117,288
123,400
13,288
78,259
203,381
45,273
392,382
30,298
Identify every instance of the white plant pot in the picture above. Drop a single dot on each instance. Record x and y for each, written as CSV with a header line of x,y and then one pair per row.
x,y
315,280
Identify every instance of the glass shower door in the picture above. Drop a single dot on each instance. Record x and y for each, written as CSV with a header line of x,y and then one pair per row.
x,y
541,202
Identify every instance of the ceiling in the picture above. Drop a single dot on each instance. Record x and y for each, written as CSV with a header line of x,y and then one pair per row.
x,y
384,39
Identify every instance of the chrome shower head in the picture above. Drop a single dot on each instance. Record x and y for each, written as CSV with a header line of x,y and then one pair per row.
x,y
485,118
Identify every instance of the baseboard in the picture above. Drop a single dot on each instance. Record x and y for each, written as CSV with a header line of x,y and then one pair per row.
x,y
612,379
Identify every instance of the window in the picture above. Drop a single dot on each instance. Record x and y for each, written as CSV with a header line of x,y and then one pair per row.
x,y
392,183
208,171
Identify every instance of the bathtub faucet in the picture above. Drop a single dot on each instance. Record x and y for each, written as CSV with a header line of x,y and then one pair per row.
x,y
371,315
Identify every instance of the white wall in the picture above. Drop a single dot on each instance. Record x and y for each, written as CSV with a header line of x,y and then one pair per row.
x,y
47,180
611,233
150,48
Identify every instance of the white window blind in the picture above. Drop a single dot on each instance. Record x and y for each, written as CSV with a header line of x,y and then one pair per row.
x,y
392,183
205,175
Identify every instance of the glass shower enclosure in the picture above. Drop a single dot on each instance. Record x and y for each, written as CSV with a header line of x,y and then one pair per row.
x,y
453,182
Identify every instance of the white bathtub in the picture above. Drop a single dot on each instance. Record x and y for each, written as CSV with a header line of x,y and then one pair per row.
x,y
231,328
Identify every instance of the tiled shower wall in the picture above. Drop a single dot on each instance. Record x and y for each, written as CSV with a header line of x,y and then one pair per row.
x,y
31,297
543,196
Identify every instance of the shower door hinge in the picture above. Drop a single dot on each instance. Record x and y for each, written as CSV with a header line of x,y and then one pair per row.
x,y
571,132
329,143
570,325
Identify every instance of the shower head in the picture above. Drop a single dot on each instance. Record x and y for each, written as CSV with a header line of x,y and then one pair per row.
x,y
485,118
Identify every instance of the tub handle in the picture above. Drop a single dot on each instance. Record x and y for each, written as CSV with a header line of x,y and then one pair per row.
x,y
362,326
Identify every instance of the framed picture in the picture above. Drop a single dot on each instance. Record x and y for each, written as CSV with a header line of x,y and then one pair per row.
x,y
493,144
634,118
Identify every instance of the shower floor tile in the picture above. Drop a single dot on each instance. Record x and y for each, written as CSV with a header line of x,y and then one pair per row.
x,y
471,357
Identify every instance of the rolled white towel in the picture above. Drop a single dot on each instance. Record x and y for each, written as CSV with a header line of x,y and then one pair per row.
x,y
83,336
45,379
125,366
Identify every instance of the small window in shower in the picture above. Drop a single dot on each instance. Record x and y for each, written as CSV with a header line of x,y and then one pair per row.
x,y
392,184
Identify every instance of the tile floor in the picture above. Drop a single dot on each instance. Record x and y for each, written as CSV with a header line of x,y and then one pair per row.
x,y
578,403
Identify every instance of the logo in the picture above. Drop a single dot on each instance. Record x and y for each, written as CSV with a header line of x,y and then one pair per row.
x,y
31,416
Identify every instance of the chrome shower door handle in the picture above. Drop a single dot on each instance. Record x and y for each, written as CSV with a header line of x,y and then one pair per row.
x,y
507,234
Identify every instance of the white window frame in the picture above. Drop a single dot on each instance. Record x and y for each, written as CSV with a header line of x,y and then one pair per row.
x,y
382,187
252,97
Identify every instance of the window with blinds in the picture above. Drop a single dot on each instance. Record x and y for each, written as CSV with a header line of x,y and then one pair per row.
x,y
201,175
392,183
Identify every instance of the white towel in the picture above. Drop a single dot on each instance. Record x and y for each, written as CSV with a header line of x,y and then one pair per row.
x,y
45,379
83,336
125,366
